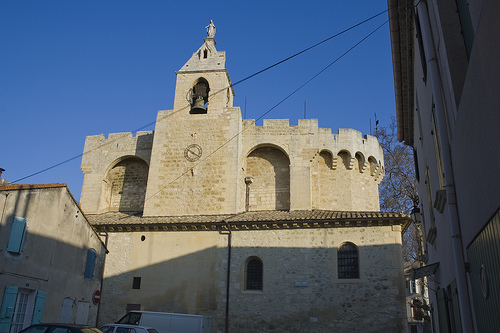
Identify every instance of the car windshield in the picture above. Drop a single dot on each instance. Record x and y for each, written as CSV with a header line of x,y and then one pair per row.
x,y
90,330
107,329
35,329
131,318
152,330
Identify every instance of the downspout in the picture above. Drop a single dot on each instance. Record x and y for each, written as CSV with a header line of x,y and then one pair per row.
x,y
102,274
228,276
456,237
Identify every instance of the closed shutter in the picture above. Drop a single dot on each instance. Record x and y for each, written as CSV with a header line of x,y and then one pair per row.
x,y
17,233
39,304
89,265
8,304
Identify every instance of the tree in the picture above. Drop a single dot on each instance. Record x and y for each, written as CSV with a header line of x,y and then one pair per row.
x,y
398,189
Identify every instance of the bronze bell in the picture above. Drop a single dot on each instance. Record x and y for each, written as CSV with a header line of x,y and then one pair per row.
x,y
198,106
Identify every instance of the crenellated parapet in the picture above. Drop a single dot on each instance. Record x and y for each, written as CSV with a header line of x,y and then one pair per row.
x,y
326,170
364,149
102,160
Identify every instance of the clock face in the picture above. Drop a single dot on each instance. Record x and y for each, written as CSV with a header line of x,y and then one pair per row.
x,y
192,152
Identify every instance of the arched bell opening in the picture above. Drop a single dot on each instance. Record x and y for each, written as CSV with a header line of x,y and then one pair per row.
x,y
198,97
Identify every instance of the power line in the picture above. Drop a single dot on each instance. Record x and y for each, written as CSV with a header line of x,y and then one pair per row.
x,y
236,83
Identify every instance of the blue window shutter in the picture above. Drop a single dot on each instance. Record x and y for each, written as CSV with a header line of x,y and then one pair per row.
x,y
17,233
89,265
8,304
39,304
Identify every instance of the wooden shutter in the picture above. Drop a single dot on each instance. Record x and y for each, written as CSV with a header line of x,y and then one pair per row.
x,y
7,309
39,305
17,233
89,265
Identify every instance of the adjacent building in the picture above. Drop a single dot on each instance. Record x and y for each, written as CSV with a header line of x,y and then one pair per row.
x,y
447,79
51,258
263,228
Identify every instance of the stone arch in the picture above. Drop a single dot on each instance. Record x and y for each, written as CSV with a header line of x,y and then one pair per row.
x,y
344,159
326,158
373,165
360,161
198,96
268,167
326,179
125,184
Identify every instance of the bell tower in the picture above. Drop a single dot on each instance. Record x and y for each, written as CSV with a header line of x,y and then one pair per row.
x,y
195,155
203,83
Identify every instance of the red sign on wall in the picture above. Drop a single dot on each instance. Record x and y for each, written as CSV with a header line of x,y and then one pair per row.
x,y
96,297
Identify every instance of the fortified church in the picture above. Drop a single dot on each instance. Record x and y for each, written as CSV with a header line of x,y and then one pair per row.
x,y
272,228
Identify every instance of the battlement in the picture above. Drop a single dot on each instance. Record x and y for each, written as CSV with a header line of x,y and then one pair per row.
x,y
145,138
279,132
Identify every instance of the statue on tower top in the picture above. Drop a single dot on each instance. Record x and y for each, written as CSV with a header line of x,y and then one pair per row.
x,y
210,29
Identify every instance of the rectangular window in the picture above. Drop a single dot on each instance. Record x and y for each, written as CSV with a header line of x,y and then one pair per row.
x,y
17,234
136,283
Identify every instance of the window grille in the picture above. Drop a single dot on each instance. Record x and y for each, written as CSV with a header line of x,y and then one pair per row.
x,y
136,283
348,262
254,274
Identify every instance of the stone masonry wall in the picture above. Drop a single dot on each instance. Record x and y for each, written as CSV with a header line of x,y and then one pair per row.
x,y
186,272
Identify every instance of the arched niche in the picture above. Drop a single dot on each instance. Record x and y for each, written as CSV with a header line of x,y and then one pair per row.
x,y
198,96
269,169
360,161
125,184
344,159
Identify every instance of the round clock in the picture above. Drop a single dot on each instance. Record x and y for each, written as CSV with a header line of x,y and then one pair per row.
x,y
192,152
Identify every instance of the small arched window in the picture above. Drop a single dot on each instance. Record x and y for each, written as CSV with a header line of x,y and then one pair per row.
x,y
254,274
348,261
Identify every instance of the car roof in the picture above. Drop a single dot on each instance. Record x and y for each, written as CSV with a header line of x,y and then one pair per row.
x,y
128,325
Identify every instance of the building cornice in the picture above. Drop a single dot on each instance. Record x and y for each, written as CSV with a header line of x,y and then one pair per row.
x,y
262,220
401,30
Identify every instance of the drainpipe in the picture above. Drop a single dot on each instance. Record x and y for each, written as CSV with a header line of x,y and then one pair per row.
x,y
456,237
102,274
228,281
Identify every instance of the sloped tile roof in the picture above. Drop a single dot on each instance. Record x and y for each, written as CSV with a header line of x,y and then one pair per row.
x,y
130,221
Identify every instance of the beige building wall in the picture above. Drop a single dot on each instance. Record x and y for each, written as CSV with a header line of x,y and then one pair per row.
x,y
186,272
54,252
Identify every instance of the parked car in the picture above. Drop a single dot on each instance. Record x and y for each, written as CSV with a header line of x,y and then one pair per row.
x,y
169,322
122,328
60,328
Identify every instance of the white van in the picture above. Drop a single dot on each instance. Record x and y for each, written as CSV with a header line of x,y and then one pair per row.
x,y
169,322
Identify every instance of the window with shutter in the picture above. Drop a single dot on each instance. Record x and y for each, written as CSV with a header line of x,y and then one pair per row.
x,y
7,309
17,233
89,265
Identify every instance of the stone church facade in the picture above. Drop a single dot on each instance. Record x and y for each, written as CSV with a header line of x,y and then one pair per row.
x,y
271,228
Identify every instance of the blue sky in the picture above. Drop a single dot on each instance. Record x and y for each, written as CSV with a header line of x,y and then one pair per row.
x,y
69,69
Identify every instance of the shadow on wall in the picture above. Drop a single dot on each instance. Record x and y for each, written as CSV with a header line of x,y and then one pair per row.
x,y
301,288
270,169
50,267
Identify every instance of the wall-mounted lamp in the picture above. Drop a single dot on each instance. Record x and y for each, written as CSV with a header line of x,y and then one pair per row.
x,y
415,215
